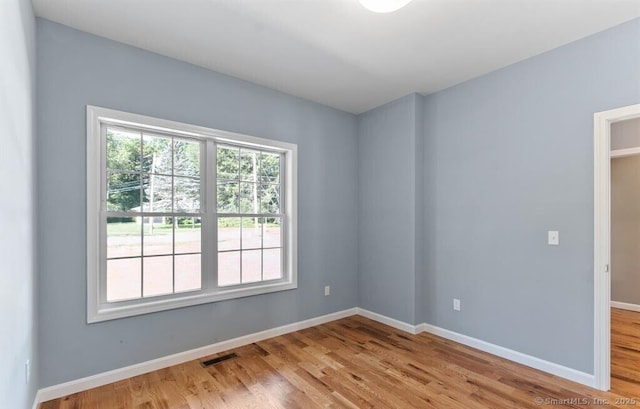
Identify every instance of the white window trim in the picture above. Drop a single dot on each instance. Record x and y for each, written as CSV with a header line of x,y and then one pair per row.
x,y
97,308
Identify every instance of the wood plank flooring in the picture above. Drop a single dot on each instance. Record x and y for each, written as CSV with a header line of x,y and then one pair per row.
x,y
359,363
625,352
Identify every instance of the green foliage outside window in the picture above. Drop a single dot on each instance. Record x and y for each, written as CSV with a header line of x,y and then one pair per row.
x,y
157,173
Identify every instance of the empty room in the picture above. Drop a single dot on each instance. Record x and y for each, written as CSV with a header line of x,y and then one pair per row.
x,y
320,203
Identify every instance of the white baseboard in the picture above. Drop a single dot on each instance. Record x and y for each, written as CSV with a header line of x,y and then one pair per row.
x,y
36,400
515,356
67,388
392,322
625,306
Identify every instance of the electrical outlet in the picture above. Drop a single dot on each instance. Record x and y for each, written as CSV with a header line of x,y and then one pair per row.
x,y
27,372
327,290
553,237
456,304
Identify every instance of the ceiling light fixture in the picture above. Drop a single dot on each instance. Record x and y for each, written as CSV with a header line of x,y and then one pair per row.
x,y
384,6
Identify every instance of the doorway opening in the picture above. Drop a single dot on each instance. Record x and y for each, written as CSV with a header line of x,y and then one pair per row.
x,y
625,256
603,122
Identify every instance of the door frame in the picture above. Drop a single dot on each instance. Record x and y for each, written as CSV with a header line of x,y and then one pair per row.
x,y
602,239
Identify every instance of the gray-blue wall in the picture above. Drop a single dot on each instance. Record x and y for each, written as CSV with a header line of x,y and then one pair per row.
x,y
76,69
388,138
459,188
625,134
18,341
401,209
510,156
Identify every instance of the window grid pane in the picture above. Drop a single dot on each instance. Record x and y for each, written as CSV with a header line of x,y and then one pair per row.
x,y
248,181
156,241
243,263
248,187
187,273
158,177
123,149
124,191
153,174
157,276
123,279
229,268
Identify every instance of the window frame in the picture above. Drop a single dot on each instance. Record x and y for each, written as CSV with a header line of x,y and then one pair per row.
x,y
98,309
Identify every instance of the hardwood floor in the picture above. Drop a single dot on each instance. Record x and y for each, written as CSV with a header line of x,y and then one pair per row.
x,y
625,351
359,363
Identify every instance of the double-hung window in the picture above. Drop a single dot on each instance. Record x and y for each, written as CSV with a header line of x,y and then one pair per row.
x,y
179,215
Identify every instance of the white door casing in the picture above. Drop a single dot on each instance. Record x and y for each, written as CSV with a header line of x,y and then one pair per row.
x,y
602,239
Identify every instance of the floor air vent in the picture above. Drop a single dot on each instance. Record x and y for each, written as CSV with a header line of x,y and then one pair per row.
x,y
218,359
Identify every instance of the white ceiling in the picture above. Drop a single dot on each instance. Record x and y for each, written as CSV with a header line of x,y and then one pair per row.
x,y
334,51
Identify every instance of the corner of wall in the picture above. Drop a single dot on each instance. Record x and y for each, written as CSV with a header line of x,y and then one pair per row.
x,y
419,232
402,121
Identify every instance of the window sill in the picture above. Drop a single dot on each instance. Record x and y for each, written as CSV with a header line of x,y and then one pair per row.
x,y
112,311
